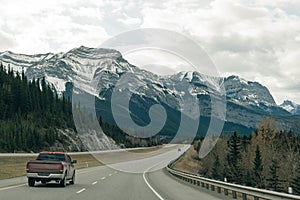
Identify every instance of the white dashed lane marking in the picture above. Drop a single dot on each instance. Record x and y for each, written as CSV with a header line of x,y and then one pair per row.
x,y
95,183
82,190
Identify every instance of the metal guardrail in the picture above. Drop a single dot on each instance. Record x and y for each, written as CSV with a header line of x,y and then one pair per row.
x,y
225,187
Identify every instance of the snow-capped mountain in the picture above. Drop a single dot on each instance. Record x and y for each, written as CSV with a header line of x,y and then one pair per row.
x,y
247,102
248,92
291,107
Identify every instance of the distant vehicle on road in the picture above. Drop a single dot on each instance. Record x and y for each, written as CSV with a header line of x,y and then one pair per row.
x,y
51,166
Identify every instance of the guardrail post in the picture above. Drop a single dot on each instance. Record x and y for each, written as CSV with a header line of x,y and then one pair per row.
x,y
244,196
256,198
198,183
212,188
218,189
234,194
207,186
226,192
202,184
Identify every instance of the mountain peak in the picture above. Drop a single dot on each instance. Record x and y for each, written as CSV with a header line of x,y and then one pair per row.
x,y
237,78
290,107
288,102
248,92
96,53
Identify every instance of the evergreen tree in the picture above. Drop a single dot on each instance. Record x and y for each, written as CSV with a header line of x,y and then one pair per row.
x,y
233,158
245,142
248,180
225,172
258,168
296,181
274,183
216,169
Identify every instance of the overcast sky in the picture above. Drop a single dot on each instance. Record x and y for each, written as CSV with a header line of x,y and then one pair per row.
x,y
258,40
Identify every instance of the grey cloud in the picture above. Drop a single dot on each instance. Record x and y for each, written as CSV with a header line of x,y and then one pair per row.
x,y
6,41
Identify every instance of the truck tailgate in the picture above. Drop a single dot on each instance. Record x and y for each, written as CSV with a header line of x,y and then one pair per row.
x,y
44,167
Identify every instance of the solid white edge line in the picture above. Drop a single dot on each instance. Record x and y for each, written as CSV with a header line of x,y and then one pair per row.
x,y
12,187
109,174
95,183
144,177
103,178
78,192
156,193
148,184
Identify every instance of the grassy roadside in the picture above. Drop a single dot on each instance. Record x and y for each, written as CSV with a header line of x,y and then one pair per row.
x,y
146,150
187,163
11,167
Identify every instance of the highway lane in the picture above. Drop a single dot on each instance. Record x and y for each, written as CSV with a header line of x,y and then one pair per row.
x,y
108,183
171,188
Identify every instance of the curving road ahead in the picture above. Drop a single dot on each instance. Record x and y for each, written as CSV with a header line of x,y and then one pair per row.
x,y
110,183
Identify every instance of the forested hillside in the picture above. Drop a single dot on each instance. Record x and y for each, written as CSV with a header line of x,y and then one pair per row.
x,y
30,113
269,158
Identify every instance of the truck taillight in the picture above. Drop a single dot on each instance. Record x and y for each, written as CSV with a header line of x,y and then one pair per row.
x,y
27,167
61,168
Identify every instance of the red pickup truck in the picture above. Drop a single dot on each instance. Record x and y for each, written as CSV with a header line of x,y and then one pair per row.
x,y
51,166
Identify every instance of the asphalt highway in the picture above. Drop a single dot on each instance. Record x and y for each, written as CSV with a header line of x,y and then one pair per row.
x,y
115,181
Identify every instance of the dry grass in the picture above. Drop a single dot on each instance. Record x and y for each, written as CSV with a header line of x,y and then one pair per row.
x,y
146,150
87,160
188,163
11,167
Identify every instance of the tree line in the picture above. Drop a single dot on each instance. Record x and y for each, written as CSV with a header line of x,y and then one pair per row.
x,y
30,113
268,159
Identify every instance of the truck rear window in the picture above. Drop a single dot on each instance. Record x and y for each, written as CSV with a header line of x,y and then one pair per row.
x,y
51,157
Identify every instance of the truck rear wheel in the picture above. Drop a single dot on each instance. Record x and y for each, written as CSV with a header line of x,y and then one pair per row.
x,y
31,182
73,179
63,182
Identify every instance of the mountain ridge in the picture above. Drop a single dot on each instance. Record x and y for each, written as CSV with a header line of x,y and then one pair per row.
x,y
247,102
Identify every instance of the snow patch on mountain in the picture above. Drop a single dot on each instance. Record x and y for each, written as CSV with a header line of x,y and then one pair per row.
x,y
291,107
